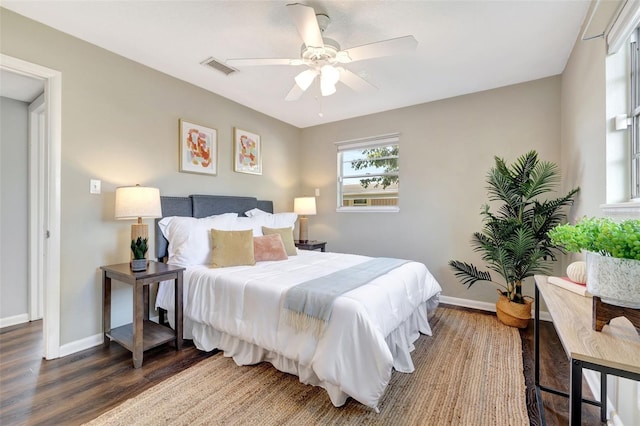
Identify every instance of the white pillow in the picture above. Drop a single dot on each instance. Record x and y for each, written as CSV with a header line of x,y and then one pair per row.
x,y
283,220
269,220
254,223
255,212
190,238
280,220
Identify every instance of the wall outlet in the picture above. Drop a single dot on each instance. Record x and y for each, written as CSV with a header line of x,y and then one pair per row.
x,y
94,186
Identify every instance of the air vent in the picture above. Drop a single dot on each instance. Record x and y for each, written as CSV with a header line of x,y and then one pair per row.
x,y
217,65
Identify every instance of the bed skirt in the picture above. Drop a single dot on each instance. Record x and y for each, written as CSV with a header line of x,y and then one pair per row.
x,y
400,344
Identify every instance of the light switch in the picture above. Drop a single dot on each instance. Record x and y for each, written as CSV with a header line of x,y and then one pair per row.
x,y
94,187
317,192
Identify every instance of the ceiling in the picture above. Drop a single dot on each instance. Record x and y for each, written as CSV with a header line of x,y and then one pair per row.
x,y
463,46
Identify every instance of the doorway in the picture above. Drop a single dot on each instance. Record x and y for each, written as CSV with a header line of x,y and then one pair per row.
x,y
44,219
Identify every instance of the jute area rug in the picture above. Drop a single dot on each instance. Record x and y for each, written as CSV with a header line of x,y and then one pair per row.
x,y
469,372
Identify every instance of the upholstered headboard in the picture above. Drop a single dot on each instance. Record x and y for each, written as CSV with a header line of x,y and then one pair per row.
x,y
199,206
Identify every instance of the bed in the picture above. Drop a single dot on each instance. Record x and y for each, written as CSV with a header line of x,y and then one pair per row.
x,y
240,310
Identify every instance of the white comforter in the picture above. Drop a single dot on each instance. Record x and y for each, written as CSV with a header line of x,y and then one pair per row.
x,y
371,330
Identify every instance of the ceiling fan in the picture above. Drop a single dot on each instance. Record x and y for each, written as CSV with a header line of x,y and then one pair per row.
x,y
323,56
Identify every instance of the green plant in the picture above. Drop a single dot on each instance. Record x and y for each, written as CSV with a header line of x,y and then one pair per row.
x,y
139,248
600,235
514,241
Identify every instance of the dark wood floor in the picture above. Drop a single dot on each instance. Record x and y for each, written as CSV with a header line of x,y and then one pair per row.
x,y
554,373
79,387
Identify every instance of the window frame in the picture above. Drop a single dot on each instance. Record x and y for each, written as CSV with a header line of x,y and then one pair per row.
x,y
634,98
362,144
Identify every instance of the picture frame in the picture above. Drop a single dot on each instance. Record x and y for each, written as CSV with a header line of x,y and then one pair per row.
x,y
247,152
198,149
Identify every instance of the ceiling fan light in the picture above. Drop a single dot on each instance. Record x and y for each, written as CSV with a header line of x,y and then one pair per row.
x,y
329,74
327,88
305,78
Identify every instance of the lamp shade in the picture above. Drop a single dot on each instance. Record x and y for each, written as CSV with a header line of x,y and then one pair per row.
x,y
329,76
133,202
305,78
304,205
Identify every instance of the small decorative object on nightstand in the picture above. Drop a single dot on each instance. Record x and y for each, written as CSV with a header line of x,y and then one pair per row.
x,y
311,245
142,334
139,249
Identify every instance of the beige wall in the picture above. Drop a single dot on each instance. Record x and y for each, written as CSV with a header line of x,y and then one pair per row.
x,y
13,208
446,149
596,156
120,125
583,127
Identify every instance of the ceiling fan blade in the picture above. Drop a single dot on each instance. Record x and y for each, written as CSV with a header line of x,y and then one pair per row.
x,y
355,82
394,46
249,62
294,94
304,18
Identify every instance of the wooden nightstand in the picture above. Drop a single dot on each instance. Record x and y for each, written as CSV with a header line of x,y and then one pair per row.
x,y
142,334
311,245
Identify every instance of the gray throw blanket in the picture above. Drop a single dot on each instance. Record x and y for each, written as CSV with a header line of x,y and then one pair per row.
x,y
308,305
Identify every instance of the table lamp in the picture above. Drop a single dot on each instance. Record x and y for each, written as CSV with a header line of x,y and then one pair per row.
x,y
138,202
304,206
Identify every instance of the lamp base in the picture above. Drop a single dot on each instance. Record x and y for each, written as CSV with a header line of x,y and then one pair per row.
x,y
140,230
304,230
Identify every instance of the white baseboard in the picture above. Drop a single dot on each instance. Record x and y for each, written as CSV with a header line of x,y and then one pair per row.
x,y
545,316
593,380
468,303
483,306
16,319
87,342
81,345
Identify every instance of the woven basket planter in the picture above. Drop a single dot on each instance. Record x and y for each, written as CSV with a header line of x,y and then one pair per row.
x,y
513,314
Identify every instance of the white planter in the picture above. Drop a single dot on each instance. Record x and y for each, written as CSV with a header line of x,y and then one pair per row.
x,y
138,265
616,281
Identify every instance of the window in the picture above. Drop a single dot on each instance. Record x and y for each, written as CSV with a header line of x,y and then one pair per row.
x,y
635,115
369,174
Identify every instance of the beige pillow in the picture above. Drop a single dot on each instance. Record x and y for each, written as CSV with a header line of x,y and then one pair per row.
x,y
287,238
232,248
269,247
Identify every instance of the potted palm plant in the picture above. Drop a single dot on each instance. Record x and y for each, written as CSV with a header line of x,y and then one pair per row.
x,y
139,249
513,240
612,254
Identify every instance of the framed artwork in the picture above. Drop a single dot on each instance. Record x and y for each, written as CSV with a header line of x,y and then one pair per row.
x,y
198,149
247,152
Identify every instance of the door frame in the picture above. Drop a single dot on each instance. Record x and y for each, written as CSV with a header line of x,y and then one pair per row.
x,y
52,188
36,211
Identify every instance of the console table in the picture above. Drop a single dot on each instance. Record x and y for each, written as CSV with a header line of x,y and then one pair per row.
x,y
614,350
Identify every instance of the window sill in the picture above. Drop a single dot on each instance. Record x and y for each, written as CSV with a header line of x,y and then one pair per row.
x,y
381,209
628,210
